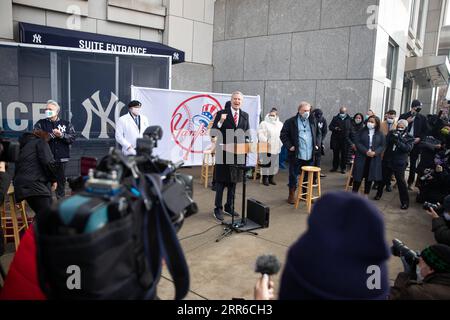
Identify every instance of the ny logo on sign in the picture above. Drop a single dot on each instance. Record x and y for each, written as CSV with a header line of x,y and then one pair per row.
x,y
176,56
37,38
102,113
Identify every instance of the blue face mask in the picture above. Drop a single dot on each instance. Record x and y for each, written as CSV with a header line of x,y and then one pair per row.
x,y
305,115
342,115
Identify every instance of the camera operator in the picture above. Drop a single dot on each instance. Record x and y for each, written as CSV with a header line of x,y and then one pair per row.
x,y
441,221
429,279
399,144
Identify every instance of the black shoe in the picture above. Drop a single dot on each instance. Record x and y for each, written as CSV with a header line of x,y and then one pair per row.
x,y
343,171
333,170
228,212
322,175
271,181
377,197
218,214
388,189
404,206
265,180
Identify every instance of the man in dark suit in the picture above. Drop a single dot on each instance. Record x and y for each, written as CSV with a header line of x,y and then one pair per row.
x,y
301,137
418,128
339,127
230,126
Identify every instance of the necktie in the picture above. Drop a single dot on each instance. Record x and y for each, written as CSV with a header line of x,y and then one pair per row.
x,y
136,119
236,118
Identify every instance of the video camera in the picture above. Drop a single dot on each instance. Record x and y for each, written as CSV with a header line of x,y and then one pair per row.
x,y
120,227
399,249
9,150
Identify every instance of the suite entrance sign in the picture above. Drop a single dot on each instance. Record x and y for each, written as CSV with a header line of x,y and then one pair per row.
x,y
42,35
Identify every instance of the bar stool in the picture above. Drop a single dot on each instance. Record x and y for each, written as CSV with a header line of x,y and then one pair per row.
x,y
257,169
349,182
308,196
11,222
209,160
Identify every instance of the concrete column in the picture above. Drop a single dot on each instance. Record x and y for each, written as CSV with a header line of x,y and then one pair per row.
x,y
6,20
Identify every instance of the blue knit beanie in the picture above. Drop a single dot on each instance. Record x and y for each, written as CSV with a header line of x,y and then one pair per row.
x,y
331,259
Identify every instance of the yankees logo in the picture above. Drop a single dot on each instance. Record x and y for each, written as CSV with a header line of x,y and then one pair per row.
x,y
62,128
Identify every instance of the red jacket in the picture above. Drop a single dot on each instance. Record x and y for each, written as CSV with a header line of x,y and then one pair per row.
x,y
22,282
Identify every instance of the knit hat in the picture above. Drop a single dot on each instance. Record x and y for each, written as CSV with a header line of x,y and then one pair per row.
x,y
437,257
331,259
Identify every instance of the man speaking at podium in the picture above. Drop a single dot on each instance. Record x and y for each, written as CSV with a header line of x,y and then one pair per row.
x,y
231,123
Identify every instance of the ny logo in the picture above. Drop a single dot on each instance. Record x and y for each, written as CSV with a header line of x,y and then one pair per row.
x,y
176,56
37,38
62,128
103,114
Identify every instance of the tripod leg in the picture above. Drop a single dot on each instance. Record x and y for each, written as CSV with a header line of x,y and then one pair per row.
x,y
225,233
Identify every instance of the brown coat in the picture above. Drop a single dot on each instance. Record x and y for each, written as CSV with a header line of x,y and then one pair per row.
x,y
434,287
384,127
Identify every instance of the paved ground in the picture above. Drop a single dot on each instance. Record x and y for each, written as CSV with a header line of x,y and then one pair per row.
x,y
225,270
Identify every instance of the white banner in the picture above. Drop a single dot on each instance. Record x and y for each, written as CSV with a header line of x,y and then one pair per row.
x,y
184,117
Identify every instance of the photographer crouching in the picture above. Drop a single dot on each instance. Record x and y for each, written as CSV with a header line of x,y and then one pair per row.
x,y
426,275
440,220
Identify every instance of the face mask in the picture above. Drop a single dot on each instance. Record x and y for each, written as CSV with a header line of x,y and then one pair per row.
x,y
135,111
370,125
358,121
305,115
400,129
366,117
418,110
418,273
390,121
342,115
272,118
50,113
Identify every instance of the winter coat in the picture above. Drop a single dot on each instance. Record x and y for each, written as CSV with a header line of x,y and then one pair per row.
x,y
420,124
35,169
435,286
289,136
362,146
339,130
384,127
269,131
224,170
60,147
22,280
398,147
441,230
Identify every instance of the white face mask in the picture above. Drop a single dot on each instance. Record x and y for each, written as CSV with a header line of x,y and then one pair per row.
x,y
135,111
272,117
358,121
419,274
370,125
305,115
50,113
390,121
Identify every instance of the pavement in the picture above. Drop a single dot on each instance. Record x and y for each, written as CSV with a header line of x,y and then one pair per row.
x,y
225,269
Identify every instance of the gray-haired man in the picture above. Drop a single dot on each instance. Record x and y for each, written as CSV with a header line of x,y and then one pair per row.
x,y
62,136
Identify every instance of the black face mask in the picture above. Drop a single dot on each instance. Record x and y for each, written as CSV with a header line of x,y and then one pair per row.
x,y
418,109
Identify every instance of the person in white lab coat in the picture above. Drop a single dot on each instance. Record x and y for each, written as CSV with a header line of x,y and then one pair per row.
x,y
131,127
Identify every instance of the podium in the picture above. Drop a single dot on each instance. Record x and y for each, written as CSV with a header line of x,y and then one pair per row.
x,y
242,149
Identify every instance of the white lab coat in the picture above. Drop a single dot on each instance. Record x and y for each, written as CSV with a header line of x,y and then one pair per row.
x,y
127,132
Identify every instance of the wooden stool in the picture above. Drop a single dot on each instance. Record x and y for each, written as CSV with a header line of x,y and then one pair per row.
x,y
12,219
308,196
207,164
349,182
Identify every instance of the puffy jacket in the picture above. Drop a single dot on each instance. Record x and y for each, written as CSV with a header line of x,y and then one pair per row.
x,y
22,281
34,169
60,146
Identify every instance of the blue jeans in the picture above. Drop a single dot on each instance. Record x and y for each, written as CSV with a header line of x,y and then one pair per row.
x,y
283,157
294,170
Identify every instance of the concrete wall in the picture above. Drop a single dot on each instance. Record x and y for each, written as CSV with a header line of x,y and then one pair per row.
x,y
287,51
189,27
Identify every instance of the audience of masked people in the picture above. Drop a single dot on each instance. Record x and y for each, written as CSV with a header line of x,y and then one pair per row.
x,y
323,127
269,132
441,221
395,160
36,172
418,128
334,230
370,144
429,279
62,136
389,124
339,128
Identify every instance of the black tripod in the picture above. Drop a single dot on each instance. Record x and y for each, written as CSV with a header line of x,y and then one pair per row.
x,y
240,225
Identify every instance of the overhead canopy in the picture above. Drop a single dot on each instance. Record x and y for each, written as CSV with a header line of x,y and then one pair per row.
x,y
428,71
42,35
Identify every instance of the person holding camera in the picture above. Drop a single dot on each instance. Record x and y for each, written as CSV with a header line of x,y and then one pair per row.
x,y
418,128
395,160
441,220
427,278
